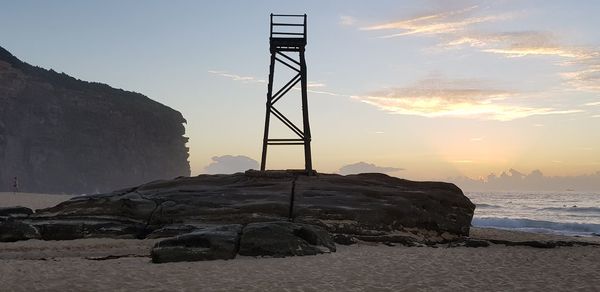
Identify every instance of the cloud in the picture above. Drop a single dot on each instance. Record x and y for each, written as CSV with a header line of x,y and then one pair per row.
x,y
315,84
593,103
515,44
535,180
346,20
437,23
582,64
235,77
363,167
438,97
585,75
457,29
227,164
250,79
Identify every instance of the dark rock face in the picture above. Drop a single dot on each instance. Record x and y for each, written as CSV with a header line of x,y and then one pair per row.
x,y
370,207
16,211
63,135
207,244
281,239
12,230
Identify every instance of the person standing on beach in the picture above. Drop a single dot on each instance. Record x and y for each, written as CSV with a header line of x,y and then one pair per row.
x,y
15,185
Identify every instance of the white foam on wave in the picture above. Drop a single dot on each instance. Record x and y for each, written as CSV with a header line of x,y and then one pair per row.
x,y
567,228
591,210
487,206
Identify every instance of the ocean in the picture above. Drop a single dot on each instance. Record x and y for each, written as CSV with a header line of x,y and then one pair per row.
x,y
567,213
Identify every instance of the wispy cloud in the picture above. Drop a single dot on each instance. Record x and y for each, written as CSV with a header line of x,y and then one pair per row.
x,y
235,77
346,20
585,72
515,44
457,29
592,103
438,23
316,84
581,64
251,79
438,97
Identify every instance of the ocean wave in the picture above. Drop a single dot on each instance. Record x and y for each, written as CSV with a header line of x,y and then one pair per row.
x,y
573,209
537,225
487,206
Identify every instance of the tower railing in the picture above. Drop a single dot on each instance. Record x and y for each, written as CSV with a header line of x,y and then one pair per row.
x,y
298,29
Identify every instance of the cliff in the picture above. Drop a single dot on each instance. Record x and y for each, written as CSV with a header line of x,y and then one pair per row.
x,y
59,134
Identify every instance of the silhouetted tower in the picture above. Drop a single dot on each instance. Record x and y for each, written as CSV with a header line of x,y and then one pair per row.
x,y
288,35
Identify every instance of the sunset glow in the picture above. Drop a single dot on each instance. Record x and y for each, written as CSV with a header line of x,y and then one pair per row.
x,y
431,90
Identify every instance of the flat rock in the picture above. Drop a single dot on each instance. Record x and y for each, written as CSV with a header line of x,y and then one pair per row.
x,y
281,239
207,244
365,205
172,230
90,228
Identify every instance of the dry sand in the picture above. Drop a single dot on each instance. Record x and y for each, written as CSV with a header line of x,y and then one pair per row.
x,y
29,200
65,266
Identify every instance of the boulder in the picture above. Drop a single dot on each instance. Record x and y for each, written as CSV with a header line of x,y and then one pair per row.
x,y
207,244
281,239
13,230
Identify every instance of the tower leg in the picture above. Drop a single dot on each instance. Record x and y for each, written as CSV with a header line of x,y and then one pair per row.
x,y
306,125
263,160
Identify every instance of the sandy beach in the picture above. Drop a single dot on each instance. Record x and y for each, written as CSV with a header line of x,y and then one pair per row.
x,y
82,265
30,200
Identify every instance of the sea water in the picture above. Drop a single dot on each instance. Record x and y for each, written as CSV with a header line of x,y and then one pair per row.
x,y
567,213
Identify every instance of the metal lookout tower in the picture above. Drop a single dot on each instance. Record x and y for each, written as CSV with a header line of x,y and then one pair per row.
x,y
288,36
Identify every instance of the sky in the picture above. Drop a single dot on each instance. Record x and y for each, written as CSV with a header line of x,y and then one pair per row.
x,y
419,89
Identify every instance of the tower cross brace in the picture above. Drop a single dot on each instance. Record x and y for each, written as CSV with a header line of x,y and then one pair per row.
x,y
288,35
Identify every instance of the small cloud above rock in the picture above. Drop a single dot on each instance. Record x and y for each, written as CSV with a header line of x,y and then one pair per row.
x,y
363,167
227,164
